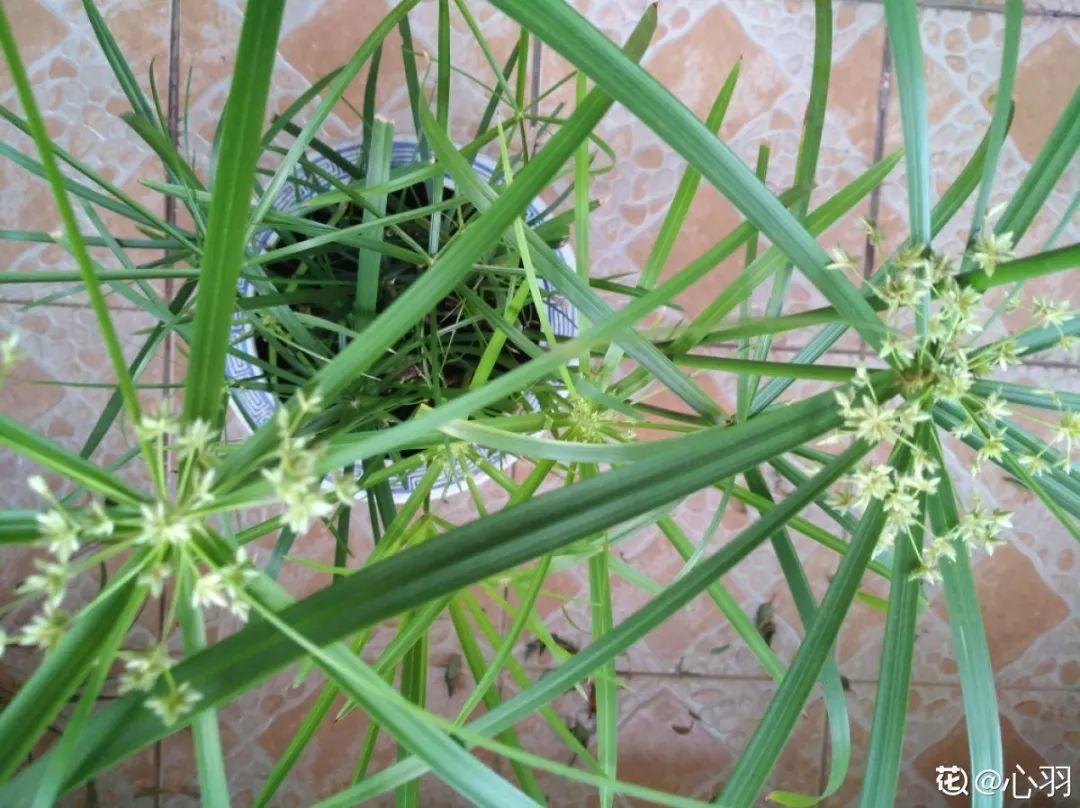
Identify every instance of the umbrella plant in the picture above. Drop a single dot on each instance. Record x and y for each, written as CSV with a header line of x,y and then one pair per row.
x,y
400,324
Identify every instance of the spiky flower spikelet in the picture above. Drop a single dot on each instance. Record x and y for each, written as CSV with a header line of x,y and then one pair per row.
x,y
936,320
176,702
296,482
174,536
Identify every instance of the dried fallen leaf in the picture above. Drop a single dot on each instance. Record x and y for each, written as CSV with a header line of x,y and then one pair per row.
x,y
764,623
450,675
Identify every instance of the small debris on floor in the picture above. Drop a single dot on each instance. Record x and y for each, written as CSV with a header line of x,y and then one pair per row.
x,y
764,623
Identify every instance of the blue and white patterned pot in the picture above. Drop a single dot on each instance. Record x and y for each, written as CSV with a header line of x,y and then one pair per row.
x,y
257,407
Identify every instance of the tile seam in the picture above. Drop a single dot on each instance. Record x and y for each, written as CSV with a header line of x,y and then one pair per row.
x,y
978,8
173,123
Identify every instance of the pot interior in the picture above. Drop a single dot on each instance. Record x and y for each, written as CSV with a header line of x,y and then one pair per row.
x,y
436,359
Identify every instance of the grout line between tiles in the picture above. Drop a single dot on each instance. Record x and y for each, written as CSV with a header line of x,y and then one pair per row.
x,y
59,304
986,8
537,67
687,675
173,123
881,120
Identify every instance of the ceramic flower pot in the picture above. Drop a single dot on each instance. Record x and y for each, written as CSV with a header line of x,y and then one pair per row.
x,y
257,407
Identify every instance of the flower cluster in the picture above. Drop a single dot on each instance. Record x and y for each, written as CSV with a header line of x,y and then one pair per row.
x,y
1067,431
873,421
296,482
591,424
174,522
177,702
224,587
173,536
934,318
46,628
169,530
194,444
979,528
899,493
992,249
63,532
142,668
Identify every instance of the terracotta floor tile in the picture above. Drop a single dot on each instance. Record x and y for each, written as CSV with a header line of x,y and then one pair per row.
x,y
257,728
932,711
262,724
208,36
130,783
698,639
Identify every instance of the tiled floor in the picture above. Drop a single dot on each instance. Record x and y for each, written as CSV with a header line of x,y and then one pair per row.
x,y
689,703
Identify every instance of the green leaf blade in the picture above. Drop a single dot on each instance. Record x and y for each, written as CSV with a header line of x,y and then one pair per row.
x,y
226,238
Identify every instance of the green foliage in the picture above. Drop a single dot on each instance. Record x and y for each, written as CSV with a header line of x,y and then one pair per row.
x,y
400,323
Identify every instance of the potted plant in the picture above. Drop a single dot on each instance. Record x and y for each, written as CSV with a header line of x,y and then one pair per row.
x,y
284,346
390,321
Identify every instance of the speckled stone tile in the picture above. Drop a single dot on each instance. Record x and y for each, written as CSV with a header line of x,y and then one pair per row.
x,y
773,43
962,63
1034,729
62,345
81,103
